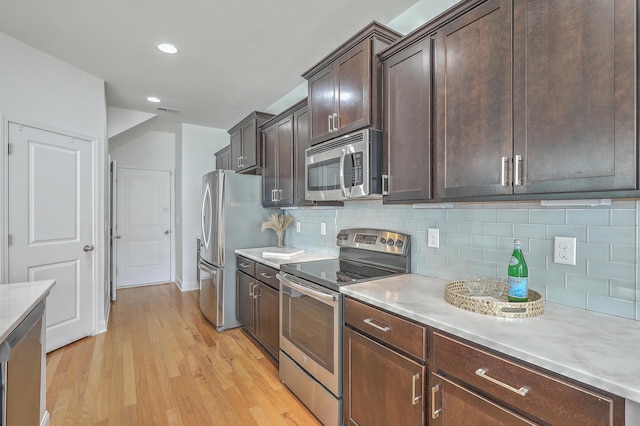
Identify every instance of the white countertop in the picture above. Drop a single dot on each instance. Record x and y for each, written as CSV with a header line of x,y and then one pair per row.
x,y
275,262
17,300
596,349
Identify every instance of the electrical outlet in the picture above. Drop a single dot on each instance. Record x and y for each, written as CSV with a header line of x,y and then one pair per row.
x,y
564,250
298,226
323,228
433,237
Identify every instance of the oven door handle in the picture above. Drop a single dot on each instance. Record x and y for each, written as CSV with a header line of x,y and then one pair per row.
x,y
342,185
330,298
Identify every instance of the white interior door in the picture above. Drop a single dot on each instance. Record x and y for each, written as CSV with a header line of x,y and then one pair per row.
x,y
50,223
143,222
113,247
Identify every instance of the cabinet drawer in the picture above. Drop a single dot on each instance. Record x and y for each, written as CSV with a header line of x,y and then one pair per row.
x,y
245,265
267,275
541,395
402,334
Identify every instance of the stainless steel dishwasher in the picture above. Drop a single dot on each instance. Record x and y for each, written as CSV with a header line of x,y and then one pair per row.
x,y
20,371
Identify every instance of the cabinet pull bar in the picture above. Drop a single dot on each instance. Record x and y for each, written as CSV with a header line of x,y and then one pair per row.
x,y
330,117
251,289
374,325
264,274
503,171
434,413
244,265
414,398
385,190
335,122
517,172
483,373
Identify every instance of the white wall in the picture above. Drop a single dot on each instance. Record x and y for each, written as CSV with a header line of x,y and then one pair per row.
x,y
199,145
152,150
38,89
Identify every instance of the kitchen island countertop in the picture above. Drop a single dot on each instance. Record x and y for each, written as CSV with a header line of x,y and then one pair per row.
x,y
597,349
17,300
257,254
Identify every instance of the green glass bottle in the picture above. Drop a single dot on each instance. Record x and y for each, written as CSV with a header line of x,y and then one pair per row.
x,y
518,275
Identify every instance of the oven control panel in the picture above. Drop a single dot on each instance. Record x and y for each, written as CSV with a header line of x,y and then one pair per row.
x,y
374,240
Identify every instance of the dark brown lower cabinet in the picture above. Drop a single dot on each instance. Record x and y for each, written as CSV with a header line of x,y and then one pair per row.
x,y
258,303
244,300
381,386
267,325
452,404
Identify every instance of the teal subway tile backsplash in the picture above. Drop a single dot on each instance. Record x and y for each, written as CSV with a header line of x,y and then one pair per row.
x,y
477,238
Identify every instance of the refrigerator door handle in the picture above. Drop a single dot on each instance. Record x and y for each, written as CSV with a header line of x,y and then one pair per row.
x,y
206,199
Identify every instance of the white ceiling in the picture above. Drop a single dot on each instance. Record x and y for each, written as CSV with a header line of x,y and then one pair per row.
x,y
234,56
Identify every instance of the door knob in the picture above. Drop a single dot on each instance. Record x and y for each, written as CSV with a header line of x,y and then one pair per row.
x,y
117,237
88,247
167,232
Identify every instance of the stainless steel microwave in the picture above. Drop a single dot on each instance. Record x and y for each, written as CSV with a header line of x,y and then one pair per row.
x,y
345,168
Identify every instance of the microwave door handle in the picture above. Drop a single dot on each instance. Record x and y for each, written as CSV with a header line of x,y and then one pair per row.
x,y
342,185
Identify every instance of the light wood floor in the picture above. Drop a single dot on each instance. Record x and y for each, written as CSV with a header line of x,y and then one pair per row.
x,y
161,363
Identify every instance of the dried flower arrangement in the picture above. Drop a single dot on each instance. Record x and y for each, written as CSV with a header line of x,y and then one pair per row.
x,y
278,222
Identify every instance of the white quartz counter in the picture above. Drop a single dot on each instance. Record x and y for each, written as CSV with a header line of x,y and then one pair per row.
x,y
596,349
17,300
257,254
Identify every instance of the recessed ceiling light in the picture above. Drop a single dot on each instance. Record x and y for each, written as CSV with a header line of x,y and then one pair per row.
x,y
167,48
153,99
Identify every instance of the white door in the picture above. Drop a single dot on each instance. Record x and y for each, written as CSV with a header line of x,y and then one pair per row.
x,y
50,225
143,227
113,246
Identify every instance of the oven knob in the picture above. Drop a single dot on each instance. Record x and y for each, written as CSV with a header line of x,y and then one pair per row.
x,y
390,242
399,243
383,240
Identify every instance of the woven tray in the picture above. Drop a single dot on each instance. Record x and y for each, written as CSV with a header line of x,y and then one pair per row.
x,y
456,294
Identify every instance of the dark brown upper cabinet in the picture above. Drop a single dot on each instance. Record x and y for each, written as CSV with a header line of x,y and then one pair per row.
x,y
301,142
344,88
574,96
245,147
537,101
223,158
473,105
407,91
277,164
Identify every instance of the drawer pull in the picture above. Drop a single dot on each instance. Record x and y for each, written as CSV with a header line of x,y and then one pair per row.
x,y
244,265
483,373
434,413
414,398
370,322
267,276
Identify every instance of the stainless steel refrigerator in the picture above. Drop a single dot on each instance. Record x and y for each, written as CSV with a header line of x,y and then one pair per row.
x,y
231,216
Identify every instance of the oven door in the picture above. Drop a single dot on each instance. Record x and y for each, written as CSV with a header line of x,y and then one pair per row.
x,y
311,329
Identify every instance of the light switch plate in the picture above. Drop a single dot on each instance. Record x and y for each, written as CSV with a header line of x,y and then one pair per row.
x,y
433,237
323,228
298,226
564,250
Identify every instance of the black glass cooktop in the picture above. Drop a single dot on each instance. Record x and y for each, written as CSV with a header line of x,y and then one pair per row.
x,y
334,273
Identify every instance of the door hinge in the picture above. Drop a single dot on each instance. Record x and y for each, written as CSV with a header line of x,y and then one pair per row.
x,y
8,149
9,239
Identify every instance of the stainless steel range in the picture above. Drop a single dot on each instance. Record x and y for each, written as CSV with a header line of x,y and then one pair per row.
x,y
311,313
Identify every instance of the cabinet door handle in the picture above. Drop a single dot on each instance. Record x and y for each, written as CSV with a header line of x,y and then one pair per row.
x,y
414,398
517,173
330,117
335,122
385,190
267,276
483,373
434,413
370,322
256,290
504,168
251,285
